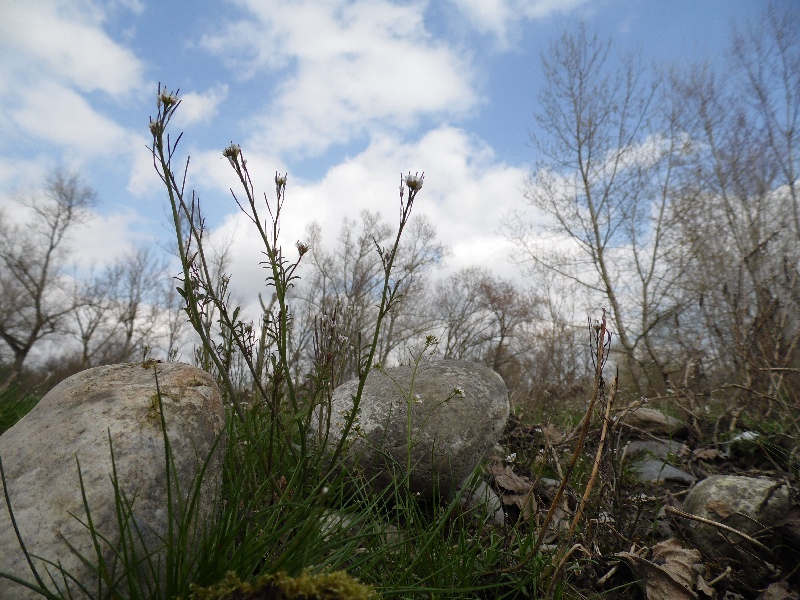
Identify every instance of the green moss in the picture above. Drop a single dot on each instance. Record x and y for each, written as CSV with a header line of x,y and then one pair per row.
x,y
152,409
324,586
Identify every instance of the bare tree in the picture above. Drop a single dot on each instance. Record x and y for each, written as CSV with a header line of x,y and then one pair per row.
x,y
604,187
347,282
768,59
744,327
119,312
33,288
459,307
92,327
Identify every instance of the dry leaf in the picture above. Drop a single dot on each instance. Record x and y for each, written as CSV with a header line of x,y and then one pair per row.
x,y
779,591
720,507
552,434
677,560
513,482
705,589
707,454
670,575
497,467
525,502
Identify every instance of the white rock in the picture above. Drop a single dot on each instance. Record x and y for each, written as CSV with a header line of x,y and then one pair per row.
x,y
483,503
653,421
458,412
74,421
748,504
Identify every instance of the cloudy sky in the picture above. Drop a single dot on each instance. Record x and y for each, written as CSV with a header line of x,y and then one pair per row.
x,y
341,94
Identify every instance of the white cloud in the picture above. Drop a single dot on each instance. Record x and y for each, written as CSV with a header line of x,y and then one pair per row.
x,y
66,39
500,17
104,238
344,69
143,177
53,55
210,170
57,114
199,107
465,196
18,174
95,241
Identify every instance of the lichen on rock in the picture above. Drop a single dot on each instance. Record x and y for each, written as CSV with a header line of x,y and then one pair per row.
x,y
336,585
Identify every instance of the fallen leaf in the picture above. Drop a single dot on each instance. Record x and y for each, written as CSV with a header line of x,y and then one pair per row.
x,y
512,482
779,591
525,502
720,507
670,575
678,561
705,589
707,454
496,467
552,434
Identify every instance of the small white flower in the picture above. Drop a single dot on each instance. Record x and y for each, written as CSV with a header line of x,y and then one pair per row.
x,y
417,399
165,98
156,128
511,457
459,391
232,153
325,490
414,182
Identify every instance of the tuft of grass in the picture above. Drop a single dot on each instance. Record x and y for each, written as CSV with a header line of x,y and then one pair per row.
x,y
15,404
288,508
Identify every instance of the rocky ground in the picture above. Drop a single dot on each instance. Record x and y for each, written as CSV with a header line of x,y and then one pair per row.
x,y
675,510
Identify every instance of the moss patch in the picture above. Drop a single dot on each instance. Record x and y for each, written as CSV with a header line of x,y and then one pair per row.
x,y
325,586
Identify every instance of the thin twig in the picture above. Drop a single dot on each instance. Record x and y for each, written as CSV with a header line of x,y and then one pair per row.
x,y
720,577
561,563
597,459
728,528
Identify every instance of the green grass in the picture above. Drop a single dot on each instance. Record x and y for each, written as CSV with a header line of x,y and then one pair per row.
x,y
296,512
15,404
287,506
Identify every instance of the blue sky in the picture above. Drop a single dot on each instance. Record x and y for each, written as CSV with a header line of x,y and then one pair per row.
x,y
342,95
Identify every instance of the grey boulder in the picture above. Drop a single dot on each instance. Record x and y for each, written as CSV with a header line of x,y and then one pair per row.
x,y
748,504
438,418
74,422
653,470
483,504
649,461
653,422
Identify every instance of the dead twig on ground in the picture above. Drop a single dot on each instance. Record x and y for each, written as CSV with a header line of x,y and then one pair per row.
x,y
719,525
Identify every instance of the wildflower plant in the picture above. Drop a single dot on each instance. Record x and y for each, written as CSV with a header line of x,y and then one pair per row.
x,y
277,490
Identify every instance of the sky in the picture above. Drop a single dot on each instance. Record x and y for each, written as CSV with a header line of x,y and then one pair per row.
x,y
342,95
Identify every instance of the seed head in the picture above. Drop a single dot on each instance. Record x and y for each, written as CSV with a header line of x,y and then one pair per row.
x,y
156,128
166,99
414,182
232,153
